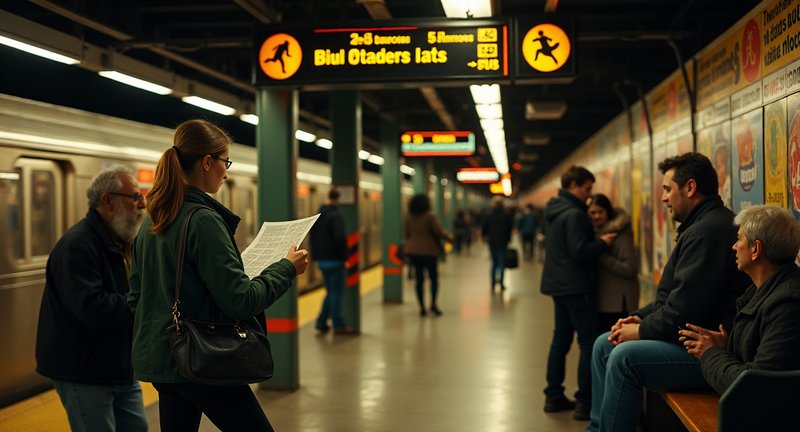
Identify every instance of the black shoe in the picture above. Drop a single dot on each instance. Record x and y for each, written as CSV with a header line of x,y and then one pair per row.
x,y
435,310
322,329
502,287
581,411
345,330
422,312
558,403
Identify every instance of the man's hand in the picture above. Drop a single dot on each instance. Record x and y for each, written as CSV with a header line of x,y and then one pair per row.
x,y
698,340
609,238
299,258
632,319
626,329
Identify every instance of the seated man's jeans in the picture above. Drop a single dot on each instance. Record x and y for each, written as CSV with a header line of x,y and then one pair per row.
x,y
103,408
620,373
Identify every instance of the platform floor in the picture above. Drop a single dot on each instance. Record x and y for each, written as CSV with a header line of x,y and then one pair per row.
x,y
479,367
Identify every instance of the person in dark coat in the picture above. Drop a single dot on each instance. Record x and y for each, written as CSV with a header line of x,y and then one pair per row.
x,y
570,277
329,249
83,341
699,285
766,332
526,225
497,226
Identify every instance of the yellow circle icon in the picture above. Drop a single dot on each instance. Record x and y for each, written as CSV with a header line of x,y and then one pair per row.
x,y
546,47
280,56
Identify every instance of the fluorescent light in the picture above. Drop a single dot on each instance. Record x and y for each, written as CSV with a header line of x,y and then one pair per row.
x,y
363,154
489,111
135,82
249,118
405,169
209,105
485,94
377,160
467,8
30,49
491,124
432,178
305,136
325,143
506,182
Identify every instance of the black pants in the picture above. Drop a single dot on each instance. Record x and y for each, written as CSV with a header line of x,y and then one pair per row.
x,y
233,408
422,263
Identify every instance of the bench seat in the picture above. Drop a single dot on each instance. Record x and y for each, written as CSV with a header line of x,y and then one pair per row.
x,y
697,410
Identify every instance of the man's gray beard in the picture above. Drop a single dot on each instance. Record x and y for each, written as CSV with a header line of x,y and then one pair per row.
x,y
126,226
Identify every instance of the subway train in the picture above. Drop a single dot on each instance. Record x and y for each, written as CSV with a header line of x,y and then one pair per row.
x,y
50,154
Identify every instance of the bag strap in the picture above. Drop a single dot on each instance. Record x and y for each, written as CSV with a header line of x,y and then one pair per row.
x,y
179,258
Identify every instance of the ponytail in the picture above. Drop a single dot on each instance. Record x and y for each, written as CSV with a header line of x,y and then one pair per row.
x,y
165,199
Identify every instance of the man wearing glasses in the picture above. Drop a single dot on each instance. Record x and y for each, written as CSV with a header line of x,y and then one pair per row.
x,y
84,341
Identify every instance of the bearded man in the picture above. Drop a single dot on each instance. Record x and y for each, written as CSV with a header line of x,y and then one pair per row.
x,y
85,325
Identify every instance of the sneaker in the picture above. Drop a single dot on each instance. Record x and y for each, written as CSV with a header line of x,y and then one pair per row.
x,y
582,411
558,403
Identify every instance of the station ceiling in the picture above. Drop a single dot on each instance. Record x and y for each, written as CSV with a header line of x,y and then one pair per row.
x,y
623,47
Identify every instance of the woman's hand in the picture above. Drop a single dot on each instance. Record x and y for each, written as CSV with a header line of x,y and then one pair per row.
x,y
299,258
698,340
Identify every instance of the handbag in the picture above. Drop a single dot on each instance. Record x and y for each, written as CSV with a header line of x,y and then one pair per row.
x,y
216,352
511,258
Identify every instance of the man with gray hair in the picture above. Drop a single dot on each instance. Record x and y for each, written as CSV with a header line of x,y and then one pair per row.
x,y
85,329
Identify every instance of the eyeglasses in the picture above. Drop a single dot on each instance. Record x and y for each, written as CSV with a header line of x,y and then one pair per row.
x,y
228,162
137,197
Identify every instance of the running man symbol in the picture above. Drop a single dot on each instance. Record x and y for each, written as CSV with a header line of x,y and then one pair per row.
x,y
280,56
546,47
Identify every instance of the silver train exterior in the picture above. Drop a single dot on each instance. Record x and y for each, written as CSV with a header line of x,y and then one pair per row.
x,y
48,155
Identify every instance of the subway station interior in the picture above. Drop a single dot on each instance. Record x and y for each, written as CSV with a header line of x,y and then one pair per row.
x,y
384,100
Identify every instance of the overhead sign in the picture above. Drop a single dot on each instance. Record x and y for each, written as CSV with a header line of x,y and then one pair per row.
x,y
478,175
383,52
545,49
437,143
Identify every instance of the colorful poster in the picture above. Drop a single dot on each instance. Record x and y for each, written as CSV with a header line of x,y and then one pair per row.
x,y
748,160
705,142
660,213
775,184
644,214
793,152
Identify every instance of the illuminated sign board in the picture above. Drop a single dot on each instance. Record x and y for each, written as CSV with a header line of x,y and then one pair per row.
x,y
545,50
430,143
383,52
478,175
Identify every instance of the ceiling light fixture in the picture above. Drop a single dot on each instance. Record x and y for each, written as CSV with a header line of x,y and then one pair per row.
x,y
305,136
249,118
209,105
135,82
363,154
325,143
467,8
41,52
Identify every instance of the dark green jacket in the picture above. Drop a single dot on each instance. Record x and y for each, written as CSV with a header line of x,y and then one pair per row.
x,y
212,272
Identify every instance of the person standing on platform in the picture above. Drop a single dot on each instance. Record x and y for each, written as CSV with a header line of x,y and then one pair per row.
x,y
83,341
527,231
570,277
329,249
423,246
213,281
497,227
699,285
618,273
462,230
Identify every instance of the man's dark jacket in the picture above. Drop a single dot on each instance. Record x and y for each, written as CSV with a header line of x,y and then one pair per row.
x,y
570,263
700,282
497,226
85,324
765,333
328,239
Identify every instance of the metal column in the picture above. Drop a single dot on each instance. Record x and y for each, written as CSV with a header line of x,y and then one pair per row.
x,y
392,230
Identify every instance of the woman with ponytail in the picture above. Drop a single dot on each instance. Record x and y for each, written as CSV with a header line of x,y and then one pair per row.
x,y
213,279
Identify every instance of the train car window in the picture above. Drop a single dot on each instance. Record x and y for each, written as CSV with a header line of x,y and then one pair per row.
x,y
40,209
223,195
246,209
43,212
11,217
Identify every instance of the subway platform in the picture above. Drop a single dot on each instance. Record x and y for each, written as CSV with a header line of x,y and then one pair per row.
x,y
478,367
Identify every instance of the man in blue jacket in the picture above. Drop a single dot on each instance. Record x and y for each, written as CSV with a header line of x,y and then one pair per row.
x,y
83,342
700,284
570,277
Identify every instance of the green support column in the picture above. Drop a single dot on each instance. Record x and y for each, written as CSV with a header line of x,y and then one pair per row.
x,y
392,230
345,174
438,197
277,179
419,181
455,203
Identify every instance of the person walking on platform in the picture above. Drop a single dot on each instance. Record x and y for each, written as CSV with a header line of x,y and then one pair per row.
x,y
329,249
497,227
213,281
423,246
83,342
699,285
526,225
618,272
570,277
462,230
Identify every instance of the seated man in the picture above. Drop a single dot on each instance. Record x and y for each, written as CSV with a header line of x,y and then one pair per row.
x,y
699,284
766,332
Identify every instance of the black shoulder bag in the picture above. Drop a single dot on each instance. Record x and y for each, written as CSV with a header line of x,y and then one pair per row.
x,y
216,352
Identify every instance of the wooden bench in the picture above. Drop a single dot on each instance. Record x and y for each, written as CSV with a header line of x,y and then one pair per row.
x,y
697,410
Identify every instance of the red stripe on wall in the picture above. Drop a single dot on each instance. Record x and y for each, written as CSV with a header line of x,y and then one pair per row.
x,y
352,261
393,270
352,239
353,279
282,325
393,249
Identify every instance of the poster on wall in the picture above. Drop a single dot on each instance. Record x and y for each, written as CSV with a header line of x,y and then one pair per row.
x,y
660,214
748,160
642,212
793,152
775,185
714,142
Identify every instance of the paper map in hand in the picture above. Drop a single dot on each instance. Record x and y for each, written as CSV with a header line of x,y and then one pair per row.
x,y
273,241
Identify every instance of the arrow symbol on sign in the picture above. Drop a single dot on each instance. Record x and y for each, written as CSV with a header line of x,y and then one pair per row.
x,y
472,64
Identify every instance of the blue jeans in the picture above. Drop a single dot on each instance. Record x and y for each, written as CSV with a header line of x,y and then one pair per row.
x,y
574,314
101,408
334,274
619,374
498,265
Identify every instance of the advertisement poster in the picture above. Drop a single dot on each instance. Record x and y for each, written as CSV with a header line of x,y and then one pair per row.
x,y
642,212
660,215
715,142
775,184
793,152
748,160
